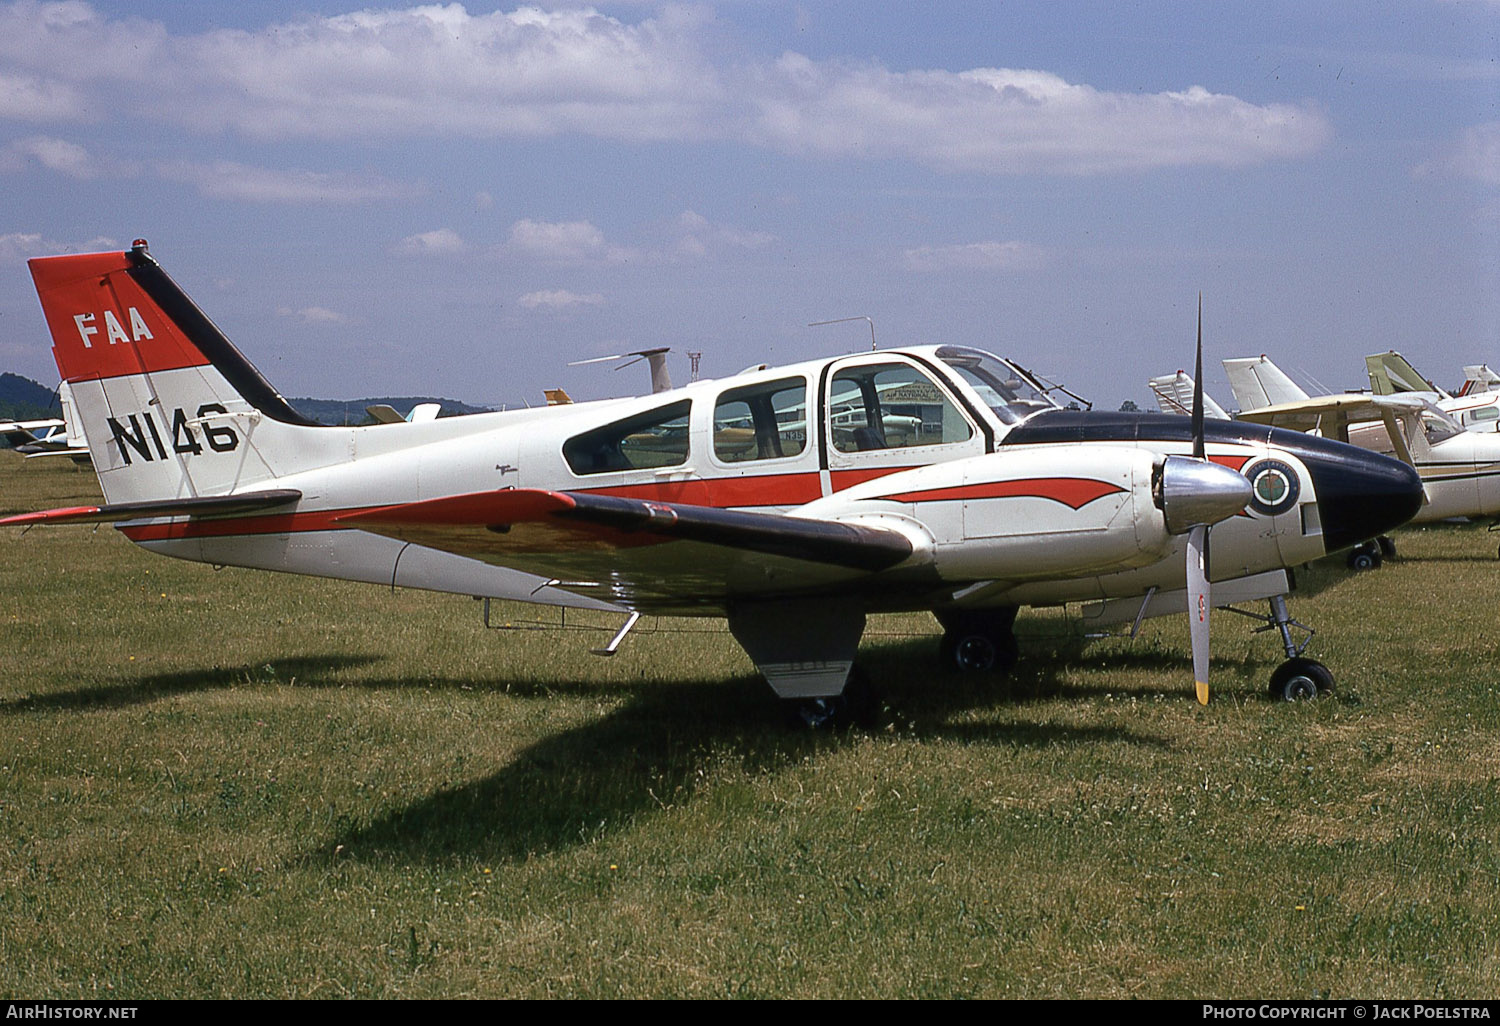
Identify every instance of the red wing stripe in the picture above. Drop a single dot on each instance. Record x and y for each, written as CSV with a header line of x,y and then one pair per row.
x,y
1075,492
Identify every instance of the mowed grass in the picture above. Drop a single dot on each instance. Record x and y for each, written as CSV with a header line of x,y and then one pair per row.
x,y
239,784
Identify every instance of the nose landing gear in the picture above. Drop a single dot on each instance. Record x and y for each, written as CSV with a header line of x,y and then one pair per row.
x,y
1298,678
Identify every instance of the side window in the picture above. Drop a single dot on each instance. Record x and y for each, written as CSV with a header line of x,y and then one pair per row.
x,y
656,438
891,406
761,422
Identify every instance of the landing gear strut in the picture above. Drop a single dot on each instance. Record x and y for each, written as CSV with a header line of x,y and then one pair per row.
x,y
1297,678
979,640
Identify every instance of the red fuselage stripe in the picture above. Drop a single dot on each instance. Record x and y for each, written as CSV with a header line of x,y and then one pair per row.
x,y
1075,492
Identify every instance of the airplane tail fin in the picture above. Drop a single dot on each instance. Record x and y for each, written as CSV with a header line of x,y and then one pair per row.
x,y
1258,382
1174,394
168,406
1390,373
1479,378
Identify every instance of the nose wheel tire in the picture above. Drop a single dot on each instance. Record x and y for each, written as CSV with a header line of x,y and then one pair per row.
x,y
1300,679
1365,557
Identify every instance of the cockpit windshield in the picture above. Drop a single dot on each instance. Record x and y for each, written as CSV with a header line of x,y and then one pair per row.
x,y
1438,426
1011,393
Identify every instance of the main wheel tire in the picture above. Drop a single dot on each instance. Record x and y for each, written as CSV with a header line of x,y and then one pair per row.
x,y
1300,679
856,704
979,641
970,653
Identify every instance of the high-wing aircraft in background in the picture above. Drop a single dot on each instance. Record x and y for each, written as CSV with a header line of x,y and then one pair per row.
x,y
963,491
1460,470
49,437
1476,406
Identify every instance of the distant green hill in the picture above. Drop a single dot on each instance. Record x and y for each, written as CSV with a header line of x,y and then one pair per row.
x,y
24,399
352,411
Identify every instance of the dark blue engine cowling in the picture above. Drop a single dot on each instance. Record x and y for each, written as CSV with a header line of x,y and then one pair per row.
x,y
1361,494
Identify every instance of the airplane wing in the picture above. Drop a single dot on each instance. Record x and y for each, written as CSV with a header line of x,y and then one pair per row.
x,y
24,432
1332,414
655,555
247,502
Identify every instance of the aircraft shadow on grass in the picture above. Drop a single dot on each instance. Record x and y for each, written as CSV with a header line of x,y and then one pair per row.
x,y
122,693
654,751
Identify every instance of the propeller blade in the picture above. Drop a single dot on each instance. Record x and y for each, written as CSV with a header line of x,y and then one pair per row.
x,y
1198,447
1199,605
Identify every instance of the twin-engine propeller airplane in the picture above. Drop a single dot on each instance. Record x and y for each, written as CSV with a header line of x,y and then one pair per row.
x,y
959,488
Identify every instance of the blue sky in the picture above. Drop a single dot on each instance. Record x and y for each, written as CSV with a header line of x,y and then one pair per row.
x,y
459,200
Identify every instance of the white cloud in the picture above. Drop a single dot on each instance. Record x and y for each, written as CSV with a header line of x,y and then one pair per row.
x,y
439,71
441,242
313,315
1016,121
28,98
698,235
559,299
225,179
564,242
1474,155
16,247
54,154
976,256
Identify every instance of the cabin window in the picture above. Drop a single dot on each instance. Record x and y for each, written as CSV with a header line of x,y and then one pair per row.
x,y
761,422
656,438
891,406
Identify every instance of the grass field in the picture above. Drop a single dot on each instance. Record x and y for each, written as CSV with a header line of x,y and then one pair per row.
x,y
237,784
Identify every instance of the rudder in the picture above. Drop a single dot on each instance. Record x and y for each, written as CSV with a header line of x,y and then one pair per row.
x,y
167,404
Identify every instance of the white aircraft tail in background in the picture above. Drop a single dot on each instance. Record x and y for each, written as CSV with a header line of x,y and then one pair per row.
x,y
1174,394
1479,378
1258,382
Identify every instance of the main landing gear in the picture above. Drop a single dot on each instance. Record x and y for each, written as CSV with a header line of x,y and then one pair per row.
x,y
1298,678
855,704
979,640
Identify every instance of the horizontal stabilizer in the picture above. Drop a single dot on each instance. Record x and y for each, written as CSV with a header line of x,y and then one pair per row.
x,y
534,520
211,505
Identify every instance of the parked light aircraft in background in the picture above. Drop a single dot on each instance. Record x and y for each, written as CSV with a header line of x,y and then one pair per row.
x,y
385,413
50,437
1476,406
1460,470
664,504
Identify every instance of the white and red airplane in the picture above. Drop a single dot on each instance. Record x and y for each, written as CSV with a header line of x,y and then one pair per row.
x,y
960,489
